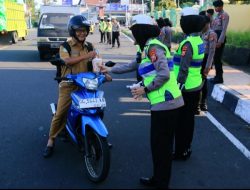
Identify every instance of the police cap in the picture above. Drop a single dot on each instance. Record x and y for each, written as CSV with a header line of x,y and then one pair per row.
x,y
218,3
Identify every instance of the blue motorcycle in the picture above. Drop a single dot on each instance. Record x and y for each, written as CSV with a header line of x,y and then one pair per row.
x,y
85,126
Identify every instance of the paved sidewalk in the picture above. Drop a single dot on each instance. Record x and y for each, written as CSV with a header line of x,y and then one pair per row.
x,y
234,93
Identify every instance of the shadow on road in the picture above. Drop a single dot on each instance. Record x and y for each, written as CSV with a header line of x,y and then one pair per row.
x,y
17,55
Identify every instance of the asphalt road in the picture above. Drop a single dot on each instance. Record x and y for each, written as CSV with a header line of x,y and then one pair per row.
x,y
27,88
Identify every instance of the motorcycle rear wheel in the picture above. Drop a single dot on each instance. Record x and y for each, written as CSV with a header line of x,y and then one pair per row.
x,y
97,160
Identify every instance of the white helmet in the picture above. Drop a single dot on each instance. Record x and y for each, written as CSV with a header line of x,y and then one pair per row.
x,y
142,19
189,11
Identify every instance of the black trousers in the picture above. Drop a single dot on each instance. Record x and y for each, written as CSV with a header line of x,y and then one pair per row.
x,y
203,94
185,128
217,59
103,38
162,134
108,37
115,37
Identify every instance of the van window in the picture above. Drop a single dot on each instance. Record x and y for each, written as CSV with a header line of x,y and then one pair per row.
x,y
54,24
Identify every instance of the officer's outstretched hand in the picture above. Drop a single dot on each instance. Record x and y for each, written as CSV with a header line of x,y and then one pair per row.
x,y
104,69
138,92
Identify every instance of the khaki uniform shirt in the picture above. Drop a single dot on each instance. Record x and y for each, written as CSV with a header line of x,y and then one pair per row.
x,y
219,25
210,40
76,50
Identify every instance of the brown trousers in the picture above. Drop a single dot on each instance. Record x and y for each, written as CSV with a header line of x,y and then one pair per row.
x,y
63,104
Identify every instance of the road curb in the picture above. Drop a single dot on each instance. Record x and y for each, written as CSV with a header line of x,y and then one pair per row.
x,y
231,99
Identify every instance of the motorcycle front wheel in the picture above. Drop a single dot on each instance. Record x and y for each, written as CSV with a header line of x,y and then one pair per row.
x,y
97,158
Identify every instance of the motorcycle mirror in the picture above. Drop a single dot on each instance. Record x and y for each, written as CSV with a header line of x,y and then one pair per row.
x,y
110,64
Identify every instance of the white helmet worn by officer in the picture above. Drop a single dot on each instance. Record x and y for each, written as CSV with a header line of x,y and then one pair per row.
x,y
143,28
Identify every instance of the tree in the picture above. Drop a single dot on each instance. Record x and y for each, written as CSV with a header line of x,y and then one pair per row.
x,y
167,4
31,9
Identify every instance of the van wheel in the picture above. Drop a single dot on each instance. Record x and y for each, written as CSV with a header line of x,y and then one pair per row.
x,y
14,37
23,38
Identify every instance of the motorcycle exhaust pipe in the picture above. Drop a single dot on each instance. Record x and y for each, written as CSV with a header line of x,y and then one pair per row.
x,y
53,108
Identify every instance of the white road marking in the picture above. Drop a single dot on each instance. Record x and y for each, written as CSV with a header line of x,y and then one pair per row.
x,y
230,137
130,39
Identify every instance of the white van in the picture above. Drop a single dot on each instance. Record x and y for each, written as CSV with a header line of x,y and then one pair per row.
x,y
53,28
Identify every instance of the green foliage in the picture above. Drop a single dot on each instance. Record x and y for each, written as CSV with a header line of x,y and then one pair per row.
x,y
238,39
167,4
235,39
31,7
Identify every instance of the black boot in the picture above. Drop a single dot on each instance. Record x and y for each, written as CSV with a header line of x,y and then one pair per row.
x,y
48,152
217,80
198,110
149,182
203,106
183,156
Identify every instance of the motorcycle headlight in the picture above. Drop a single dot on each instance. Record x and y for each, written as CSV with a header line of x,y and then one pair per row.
x,y
90,84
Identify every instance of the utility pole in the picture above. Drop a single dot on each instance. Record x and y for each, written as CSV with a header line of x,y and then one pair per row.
x,y
152,6
142,2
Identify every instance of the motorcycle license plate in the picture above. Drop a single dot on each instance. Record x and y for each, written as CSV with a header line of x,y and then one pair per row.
x,y
92,103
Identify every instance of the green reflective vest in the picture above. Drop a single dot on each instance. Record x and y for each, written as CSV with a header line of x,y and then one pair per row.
x,y
102,26
194,78
169,90
108,27
138,49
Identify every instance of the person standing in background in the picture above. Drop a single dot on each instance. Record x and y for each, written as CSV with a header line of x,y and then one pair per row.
x,y
166,32
116,29
210,39
169,32
219,25
102,27
187,66
108,30
210,14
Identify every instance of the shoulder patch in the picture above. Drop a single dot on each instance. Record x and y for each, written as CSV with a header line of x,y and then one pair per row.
x,y
184,50
152,55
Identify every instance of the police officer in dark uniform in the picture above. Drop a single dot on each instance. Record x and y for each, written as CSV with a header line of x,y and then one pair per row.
x,y
210,39
219,25
187,65
160,86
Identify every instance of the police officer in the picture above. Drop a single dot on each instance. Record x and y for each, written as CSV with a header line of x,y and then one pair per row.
x,y
108,30
78,28
210,39
219,25
187,65
210,14
161,88
115,32
166,33
102,28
